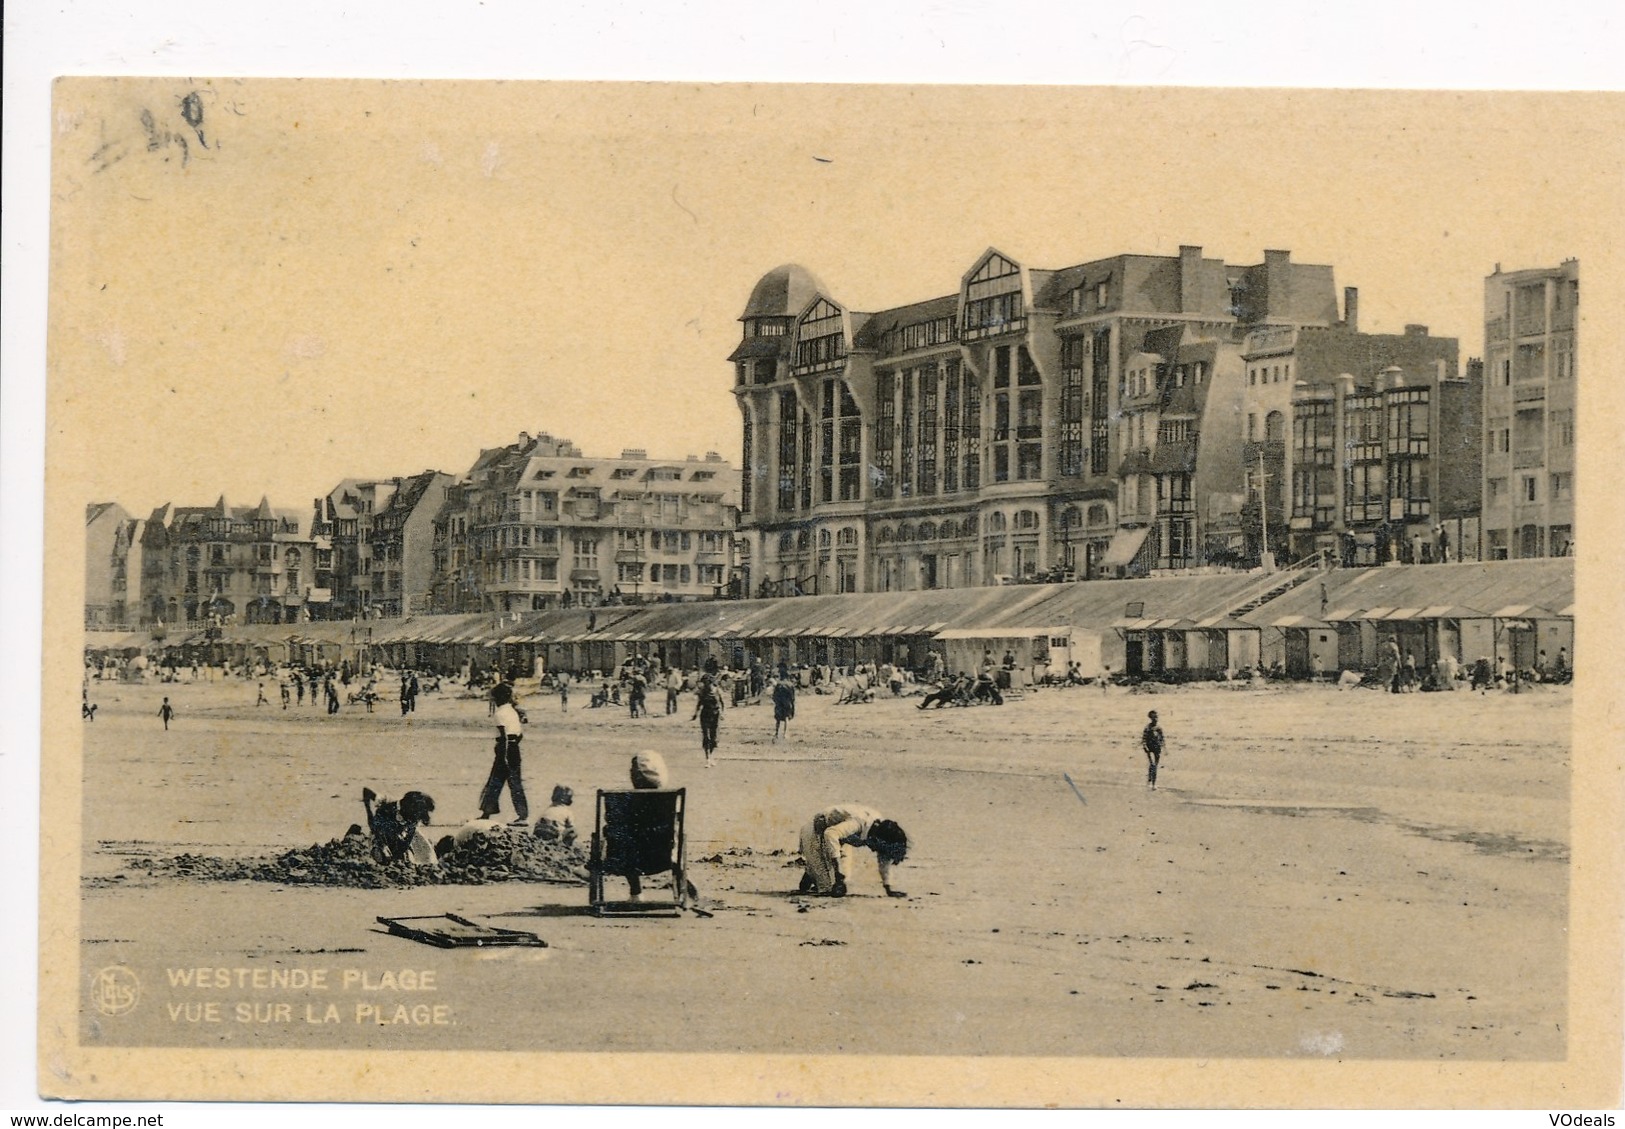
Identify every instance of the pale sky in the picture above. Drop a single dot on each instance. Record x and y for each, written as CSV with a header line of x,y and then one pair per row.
x,y
369,279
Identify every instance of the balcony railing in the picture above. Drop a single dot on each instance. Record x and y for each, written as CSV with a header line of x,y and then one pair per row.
x,y
1526,457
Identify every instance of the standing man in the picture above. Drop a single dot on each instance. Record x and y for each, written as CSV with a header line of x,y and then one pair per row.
x,y
708,709
674,685
1151,740
505,768
166,711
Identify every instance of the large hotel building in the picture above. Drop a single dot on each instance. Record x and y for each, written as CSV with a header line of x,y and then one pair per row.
x,y
1081,422
1530,321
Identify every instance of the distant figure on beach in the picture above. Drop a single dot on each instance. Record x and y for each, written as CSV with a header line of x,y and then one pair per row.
x,y
825,860
1388,666
784,706
505,768
262,700
166,711
674,686
708,711
286,697
87,710
1152,741
564,691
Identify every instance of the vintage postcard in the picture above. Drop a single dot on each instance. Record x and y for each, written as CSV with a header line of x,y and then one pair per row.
x,y
845,595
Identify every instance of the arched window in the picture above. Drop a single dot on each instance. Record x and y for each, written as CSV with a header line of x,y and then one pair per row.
x,y
928,531
886,535
972,524
947,531
905,532
786,541
1275,426
823,538
847,538
1071,518
1099,514
804,540
995,522
1026,519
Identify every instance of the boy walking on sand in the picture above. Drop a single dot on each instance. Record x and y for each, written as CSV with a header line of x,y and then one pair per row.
x,y
166,711
1151,740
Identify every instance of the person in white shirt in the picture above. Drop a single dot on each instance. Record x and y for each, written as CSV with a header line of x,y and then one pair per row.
x,y
824,843
505,769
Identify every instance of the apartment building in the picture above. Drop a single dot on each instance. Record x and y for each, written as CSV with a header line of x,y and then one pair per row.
x,y
537,524
222,563
1033,423
1530,348
1318,408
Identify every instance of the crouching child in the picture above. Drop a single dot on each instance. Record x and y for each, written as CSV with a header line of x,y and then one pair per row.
x,y
395,827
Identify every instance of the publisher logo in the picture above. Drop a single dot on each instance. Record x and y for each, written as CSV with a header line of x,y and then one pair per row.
x,y
115,990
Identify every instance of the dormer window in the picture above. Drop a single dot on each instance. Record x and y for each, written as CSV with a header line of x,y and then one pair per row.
x,y
821,339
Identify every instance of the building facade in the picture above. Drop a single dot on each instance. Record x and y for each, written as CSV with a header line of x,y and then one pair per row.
x,y
112,562
401,542
1530,354
375,540
1034,423
1325,474
1385,469
226,564
537,525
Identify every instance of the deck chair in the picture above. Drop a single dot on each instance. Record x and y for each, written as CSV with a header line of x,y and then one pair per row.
x,y
639,832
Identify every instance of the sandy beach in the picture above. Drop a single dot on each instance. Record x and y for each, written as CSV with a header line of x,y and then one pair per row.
x,y
1322,873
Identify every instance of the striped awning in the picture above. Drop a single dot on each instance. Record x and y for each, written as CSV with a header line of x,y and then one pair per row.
x,y
1300,621
1448,611
1524,611
1342,614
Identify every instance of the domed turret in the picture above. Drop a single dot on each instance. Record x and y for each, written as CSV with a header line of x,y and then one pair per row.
x,y
783,291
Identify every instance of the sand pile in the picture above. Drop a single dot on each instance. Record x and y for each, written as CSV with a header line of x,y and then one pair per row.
x,y
502,855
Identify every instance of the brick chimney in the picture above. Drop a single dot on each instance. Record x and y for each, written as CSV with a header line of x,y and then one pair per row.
x,y
1351,308
1277,268
1190,279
